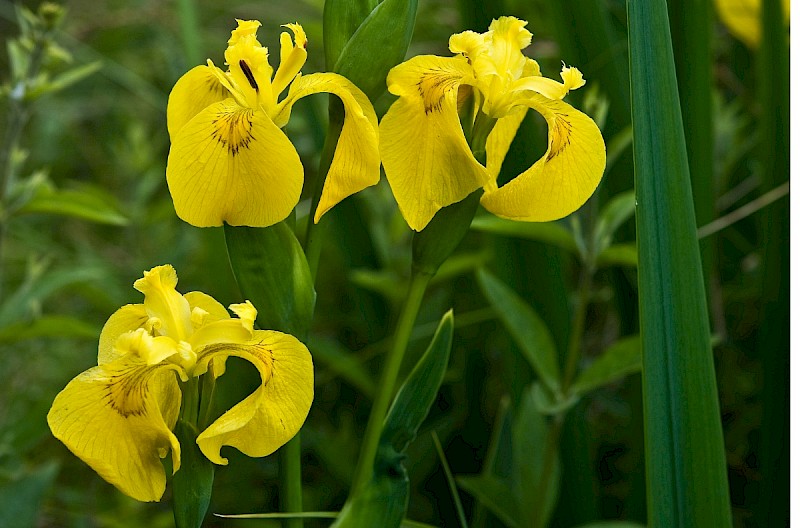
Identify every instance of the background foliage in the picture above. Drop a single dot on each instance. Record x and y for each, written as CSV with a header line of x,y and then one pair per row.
x,y
103,138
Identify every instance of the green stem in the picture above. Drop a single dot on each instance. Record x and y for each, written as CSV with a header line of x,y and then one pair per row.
x,y
292,480
578,325
416,290
550,452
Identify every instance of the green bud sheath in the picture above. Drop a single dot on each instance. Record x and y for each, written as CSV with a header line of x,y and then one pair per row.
x,y
191,485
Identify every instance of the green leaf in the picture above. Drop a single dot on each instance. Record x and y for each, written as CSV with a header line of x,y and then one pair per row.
x,y
684,450
525,326
273,274
615,213
451,483
330,354
87,203
618,255
548,232
379,43
550,403
20,498
534,456
192,483
437,241
55,326
340,19
66,79
617,361
384,499
416,396
612,524
495,495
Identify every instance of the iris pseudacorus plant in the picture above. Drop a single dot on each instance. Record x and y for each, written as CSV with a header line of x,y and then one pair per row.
x,y
428,160
229,160
118,417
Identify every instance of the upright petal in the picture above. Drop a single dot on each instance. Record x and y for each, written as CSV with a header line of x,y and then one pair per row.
x,y
356,161
564,178
499,141
128,318
424,152
232,164
118,419
195,91
273,414
163,302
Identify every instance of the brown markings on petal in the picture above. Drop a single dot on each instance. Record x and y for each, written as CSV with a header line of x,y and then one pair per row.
x,y
234,130
126,392
433,86
249,74
560,135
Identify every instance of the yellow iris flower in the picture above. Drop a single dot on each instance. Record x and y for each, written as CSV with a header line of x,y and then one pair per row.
x,y
425,154
118,417
229,160
743,18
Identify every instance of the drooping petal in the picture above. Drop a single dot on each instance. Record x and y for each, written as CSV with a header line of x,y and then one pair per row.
x,y
499,141
127,319
232,164
118,419
572,77
163,302
356,161
424,152
273,414
195,91
564,178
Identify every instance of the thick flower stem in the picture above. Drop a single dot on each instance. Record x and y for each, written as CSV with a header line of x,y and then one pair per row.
x,y
292,480
416,291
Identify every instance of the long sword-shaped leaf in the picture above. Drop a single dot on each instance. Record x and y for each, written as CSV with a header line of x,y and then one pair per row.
x,y
686,474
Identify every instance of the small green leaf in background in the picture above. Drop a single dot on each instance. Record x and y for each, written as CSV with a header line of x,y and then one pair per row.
x,y
525,326
21,497
494,494
620,359
551,233
85,202
383,500
618,255
273,274
615,213
56,326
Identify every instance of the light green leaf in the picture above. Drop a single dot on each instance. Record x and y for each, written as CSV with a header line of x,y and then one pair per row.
x,y
330,354
532,460
616,212
66,79
494,494
20,498
86,202
525,326
273,274
617,361
548,232
618,255
547,402
55,326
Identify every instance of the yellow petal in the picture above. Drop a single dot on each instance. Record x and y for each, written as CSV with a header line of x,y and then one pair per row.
x,y
195,91
356,161
117,418
293,56
425,155
499,141
273,414
163,302
128,318
232,164
208,304
564,178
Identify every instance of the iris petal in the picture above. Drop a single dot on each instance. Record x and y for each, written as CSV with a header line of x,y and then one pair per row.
x,y
195,91
564,178
271,415
128,318
118,419
426,157
356,161
232,164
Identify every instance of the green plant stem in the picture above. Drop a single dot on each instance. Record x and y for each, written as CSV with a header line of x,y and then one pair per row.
x,y
17,116
187,11
292,480
578,325
550,454
416,290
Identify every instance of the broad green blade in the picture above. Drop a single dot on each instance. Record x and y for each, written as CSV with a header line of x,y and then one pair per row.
x,y
526,327
340,19
192,483
685,456
273,274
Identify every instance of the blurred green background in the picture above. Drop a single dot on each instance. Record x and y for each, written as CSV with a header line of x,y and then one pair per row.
x,y
105,136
